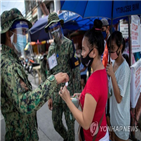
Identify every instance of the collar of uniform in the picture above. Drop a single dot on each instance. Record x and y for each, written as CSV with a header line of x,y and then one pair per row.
x,y
58,46
8,50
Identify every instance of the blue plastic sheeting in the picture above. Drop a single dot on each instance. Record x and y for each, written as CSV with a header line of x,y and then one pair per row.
x,y
108,9
37,31
75,22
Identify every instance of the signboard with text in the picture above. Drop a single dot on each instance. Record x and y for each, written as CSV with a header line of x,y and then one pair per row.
x,y
135,33
126,8
124,30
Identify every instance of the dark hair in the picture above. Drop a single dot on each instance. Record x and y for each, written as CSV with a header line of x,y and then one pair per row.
x,y
126,58
117,37
3,38
95,37
97,24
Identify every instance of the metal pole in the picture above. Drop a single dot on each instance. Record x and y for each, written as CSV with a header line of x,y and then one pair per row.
x,y
130,49
130,64
112,16
111,27
57,5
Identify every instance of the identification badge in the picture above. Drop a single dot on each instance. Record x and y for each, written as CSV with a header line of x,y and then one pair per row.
x,y
52,61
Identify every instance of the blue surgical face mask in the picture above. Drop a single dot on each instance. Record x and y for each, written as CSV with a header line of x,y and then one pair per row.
x,y
21,43
104,34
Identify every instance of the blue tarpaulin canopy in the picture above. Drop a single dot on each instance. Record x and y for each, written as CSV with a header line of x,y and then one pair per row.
x,y
108,9
37,31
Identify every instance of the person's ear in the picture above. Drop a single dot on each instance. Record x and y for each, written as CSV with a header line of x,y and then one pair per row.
x,y
121,46
8,35
108,27
93,54
14,36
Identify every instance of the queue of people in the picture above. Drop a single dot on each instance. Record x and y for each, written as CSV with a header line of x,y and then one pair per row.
x,y
19,103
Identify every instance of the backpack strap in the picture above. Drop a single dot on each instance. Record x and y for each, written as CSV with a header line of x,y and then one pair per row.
x,y
98,126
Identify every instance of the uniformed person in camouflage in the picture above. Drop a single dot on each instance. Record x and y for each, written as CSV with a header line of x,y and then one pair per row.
x,y
19,102
63,49
44,68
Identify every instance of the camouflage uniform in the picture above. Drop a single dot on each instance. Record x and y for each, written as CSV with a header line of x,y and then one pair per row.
x,y
44,70
18,102
63,54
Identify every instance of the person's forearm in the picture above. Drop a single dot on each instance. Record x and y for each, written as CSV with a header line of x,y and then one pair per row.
x,y
83,70
116,89
48,74
78,115
33,100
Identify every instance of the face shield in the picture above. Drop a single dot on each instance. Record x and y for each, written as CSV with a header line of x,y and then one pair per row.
x,y
56,32
21,38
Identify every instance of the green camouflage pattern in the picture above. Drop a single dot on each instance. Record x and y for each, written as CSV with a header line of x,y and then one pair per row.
x,y
43,71
58,124
65,52
9,17
53,18
19,102
77,78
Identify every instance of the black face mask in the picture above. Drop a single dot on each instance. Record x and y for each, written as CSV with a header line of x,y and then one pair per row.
x,y
87,61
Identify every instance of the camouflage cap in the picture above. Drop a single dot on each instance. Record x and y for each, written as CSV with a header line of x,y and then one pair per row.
x,y
53,18
9,17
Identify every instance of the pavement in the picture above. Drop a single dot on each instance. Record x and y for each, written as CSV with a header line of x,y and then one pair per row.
x,y
46,130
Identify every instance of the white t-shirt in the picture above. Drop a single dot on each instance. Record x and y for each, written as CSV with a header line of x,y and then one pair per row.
x,y
120,113
106,137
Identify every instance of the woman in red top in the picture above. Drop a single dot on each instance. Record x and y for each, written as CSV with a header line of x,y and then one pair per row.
x,y
94,96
